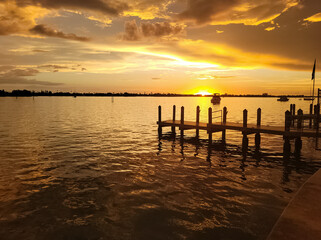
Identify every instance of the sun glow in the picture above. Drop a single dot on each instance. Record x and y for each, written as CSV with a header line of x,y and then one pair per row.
x,y
203,93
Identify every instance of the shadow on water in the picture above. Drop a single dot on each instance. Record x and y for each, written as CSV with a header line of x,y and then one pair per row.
x,y
246,156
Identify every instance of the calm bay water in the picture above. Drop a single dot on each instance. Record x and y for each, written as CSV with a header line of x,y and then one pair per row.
x,y
87,168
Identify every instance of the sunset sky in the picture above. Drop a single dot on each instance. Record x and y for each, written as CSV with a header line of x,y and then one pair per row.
x,y
177,46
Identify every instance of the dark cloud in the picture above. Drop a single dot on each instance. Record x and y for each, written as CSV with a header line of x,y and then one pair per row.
x,y
12,75
47,31
294,40
160,29
55,66
132,32
24,81
5,68
150,30
21,72
111,7
203,11
40,50
14,19
249,12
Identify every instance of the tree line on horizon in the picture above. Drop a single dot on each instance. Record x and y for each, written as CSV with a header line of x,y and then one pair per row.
x,y
28,93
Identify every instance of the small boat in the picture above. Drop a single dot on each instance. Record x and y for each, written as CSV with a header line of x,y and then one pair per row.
x,y
216,99
283,99
308,98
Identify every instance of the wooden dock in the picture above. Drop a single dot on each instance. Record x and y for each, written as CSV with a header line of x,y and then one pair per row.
x,y
295,125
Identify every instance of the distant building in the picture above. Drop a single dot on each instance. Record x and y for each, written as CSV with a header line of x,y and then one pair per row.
x,y
265,94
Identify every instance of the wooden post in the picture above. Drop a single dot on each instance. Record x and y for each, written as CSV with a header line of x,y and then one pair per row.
x,y
291,108
315,116
258,117
182,122
310,120
298,141
245,140
287,124
209,125
244,118
257,135
159,120
224,122
300,119
317,119
197,121
174,118
288,120
293,114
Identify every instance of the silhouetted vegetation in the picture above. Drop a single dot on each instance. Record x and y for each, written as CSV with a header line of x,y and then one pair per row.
x,y
27,93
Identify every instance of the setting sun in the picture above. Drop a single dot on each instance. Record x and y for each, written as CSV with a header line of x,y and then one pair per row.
x,y
203,93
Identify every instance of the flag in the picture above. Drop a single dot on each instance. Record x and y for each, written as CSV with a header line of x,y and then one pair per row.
x,y
313,71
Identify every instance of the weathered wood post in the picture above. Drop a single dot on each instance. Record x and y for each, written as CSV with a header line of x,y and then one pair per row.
x,y
245,140
159,120
174,118
209,126
317,118
291,108
182,122
293,114
298,141
300,119
257,135
224,122
197,121
287,125
310,113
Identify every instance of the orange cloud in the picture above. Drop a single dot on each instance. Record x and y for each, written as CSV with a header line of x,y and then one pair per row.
x,y
222,12
151,30
314,18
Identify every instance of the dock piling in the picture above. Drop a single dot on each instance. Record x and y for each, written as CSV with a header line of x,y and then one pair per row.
x,y
244,118
310,112
159,120
287,124
245,140
293,113
174,117
291,108
258,123
182,122
197,121
209,125
224,122
288,120
300,119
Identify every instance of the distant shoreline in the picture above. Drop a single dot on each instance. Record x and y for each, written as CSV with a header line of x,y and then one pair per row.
x,y
27,93
97,95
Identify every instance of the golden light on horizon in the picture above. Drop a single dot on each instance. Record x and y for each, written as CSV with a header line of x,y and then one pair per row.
x,y
203,93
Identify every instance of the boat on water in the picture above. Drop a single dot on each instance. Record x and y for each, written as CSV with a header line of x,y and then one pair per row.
x,y
309,98
216,99
283,99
